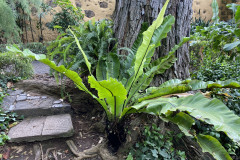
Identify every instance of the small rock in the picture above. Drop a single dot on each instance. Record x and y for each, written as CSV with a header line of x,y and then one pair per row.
x,y
11,107
44,97
89,13
14,93
78,4
103,4
21,98
57,102
57,105
33,97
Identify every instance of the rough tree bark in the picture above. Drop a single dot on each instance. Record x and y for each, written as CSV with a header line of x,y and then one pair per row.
x,y
130,14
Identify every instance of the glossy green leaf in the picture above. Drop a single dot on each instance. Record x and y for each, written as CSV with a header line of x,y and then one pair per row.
x,y
146,46
215,17
113,66
231,46
111,90
83,53
183,120
213,146
101,70
213,112
178,86
159,34
237,14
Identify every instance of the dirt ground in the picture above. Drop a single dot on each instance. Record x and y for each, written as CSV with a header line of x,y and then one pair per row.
x,y
84,137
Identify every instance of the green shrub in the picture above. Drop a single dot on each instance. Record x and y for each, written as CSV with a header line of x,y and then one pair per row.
x,y
155,145
37,47
15,66
6,118
69,16
97,41
217,41
213,71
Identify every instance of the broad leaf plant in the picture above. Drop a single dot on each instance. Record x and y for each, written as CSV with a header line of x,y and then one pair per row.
x,y
119,89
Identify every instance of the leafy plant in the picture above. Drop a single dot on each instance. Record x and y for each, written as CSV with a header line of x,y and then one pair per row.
x,y
36,47
236,20
156,146
230,97
97,42
69,16
216,42
14,65
215,17
199,22
6,118
117,90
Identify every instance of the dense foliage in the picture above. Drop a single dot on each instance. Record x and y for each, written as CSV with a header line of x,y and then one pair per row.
x,y
12,15
68,16
6,119
216,47
155,145
14,66
36,47
97,42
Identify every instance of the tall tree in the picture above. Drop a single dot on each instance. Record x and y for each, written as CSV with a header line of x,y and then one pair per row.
x,y
129,16
13,17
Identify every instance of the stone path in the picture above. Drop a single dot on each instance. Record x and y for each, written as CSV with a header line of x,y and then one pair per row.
x,y
32,104
42,128
40,68
47,116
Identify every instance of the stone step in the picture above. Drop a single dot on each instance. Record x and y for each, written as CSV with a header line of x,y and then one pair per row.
x,y
42,128
31,104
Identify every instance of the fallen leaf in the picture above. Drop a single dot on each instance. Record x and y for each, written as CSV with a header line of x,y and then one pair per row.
x,y
226,94
13,124
9,84
18,148
6,154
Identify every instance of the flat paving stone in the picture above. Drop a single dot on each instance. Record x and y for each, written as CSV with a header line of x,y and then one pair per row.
x,y
15,92
42,128
34,105
8,101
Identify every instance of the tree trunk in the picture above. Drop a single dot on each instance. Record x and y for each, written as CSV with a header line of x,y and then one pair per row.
x,y
130,14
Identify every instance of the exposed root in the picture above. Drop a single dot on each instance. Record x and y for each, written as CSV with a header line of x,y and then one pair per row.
x,y
99,149
47,153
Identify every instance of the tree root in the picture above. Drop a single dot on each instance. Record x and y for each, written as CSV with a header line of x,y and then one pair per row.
x,y
100,149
